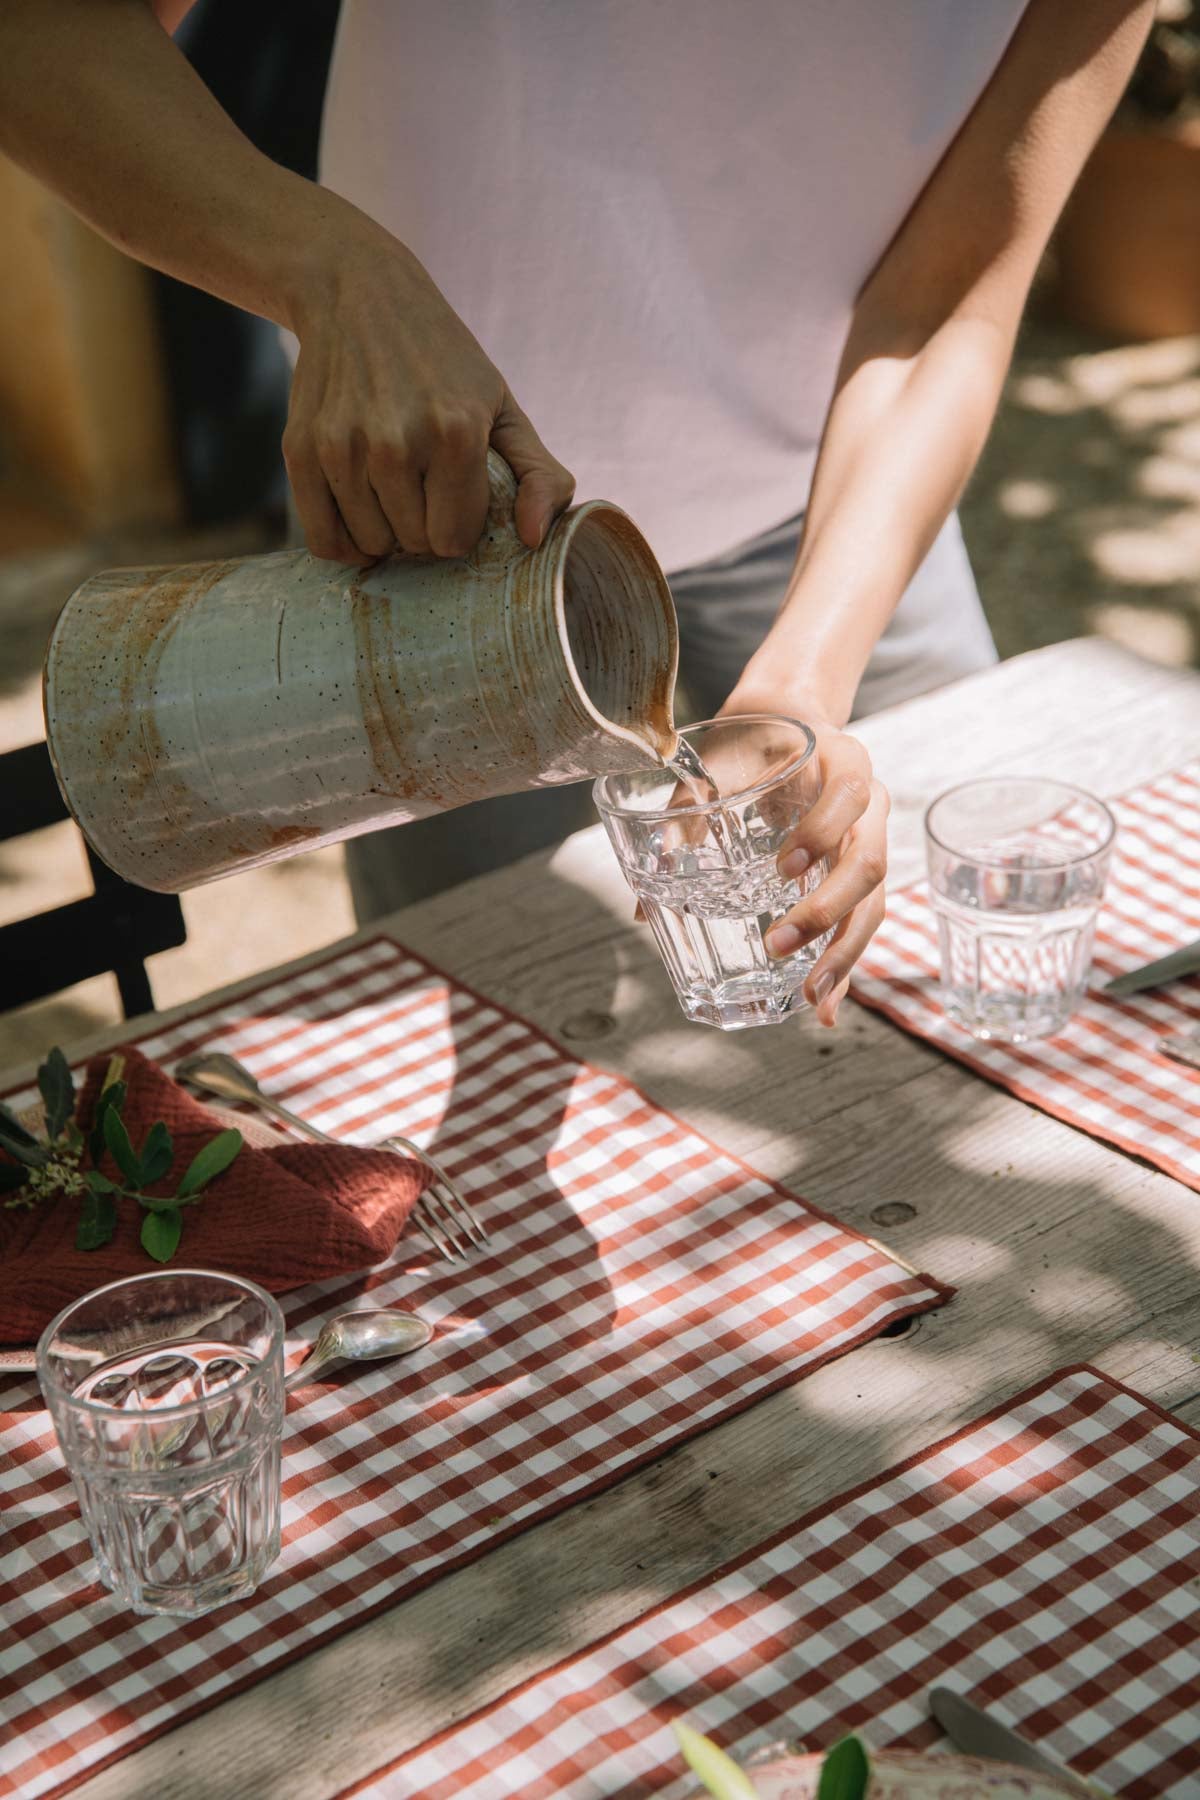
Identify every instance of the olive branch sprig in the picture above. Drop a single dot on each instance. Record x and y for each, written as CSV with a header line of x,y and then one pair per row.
x,y
53,1163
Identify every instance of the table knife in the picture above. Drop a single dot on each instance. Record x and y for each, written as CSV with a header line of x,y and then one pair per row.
x,y
1184,961
975,1733
1182,1047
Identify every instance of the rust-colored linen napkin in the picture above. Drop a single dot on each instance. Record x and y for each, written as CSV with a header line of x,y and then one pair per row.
x,y
281,1216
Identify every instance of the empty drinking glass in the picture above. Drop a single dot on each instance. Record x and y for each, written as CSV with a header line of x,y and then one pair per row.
x,y
166,1392
1017,866
705,869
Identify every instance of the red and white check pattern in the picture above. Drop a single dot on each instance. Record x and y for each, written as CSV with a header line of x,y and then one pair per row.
x,y
1043,1563
1103,1073
641,1285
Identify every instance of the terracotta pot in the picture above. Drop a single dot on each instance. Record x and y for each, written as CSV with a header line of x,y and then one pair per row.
x,y
908,1775
1127,249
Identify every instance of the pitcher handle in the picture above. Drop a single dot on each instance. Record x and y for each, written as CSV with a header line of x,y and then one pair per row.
x,y
500,539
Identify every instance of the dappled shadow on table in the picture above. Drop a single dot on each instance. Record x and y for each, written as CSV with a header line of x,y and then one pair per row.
x,y
1084,516
1041,1257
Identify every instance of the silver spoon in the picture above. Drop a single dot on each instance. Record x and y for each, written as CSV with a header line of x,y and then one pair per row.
x,y
361,1337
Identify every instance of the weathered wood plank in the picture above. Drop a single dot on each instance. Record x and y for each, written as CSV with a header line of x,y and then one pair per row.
x,y
1062,1249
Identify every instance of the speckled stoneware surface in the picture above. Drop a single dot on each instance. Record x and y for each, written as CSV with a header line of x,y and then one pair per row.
x,y
211,718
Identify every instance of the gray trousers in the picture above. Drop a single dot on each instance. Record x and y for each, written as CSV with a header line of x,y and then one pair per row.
x,y
937,634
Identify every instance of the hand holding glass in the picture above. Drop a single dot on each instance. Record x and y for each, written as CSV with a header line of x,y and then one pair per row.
x,y
706,872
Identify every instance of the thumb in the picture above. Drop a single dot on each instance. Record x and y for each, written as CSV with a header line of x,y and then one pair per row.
x,y
544,487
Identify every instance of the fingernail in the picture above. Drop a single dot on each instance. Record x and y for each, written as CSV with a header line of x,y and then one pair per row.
x,y
544,524
794,864
781,940
822,985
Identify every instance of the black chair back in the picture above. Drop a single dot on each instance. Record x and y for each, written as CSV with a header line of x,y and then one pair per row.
x,y
112,930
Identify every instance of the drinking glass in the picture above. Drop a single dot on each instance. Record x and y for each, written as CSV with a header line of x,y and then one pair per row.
x,y
166,1392
1017,866
705,871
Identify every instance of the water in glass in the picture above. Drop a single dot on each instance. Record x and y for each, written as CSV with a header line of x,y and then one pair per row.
x,y
688,765
1017,868
1012,969
709,928
708,881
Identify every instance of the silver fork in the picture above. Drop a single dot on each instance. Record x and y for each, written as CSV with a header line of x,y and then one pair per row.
x,y
441,1212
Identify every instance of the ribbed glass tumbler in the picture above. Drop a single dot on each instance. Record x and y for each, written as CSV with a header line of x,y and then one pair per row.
x,y
706,870
1017,866
166,1392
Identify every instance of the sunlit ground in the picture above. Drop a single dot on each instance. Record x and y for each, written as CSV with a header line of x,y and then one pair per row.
x,y
1084,517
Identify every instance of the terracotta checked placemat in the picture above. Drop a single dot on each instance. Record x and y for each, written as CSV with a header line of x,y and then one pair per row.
x,y
641,1285
1045,1562
1103,1073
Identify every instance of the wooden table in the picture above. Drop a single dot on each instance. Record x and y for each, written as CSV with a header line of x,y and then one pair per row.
x,y
1063,1250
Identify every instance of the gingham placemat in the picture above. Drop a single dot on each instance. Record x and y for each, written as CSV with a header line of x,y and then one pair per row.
x,y
641,1285
1045,1563
1104,1073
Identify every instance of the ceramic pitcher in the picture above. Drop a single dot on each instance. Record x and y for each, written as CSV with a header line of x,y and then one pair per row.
x,y
211,718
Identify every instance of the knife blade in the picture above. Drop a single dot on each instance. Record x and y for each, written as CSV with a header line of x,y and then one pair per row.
x,y
1184,961
976,1733
1182,1047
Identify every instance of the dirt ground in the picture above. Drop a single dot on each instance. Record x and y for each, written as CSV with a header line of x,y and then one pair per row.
x,y
1083,517
1084,514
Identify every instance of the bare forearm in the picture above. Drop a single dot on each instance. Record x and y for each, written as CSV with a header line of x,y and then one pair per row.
x,y
900,442
97,101
930,341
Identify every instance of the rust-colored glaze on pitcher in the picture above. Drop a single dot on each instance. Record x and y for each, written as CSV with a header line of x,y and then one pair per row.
x,y
211,718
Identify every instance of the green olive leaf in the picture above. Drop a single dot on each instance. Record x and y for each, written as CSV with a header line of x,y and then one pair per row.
x,y
845,1771
162,1219
113,1097
97,1221
161,1231
117,1139
158,1153
57,1087
215,1157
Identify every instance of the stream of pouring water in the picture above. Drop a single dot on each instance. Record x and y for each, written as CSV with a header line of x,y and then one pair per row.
x,y
688,766
710,889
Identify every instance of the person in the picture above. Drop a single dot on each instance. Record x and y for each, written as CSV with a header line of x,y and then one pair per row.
x,y
753,271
